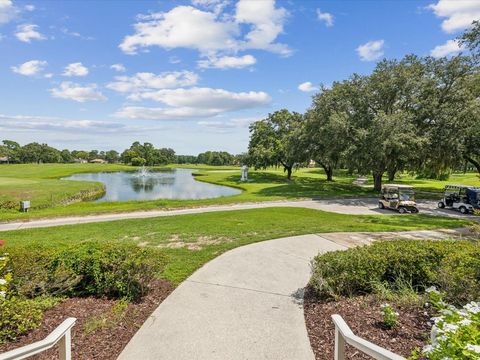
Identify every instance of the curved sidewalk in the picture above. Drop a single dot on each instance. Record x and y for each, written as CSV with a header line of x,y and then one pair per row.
x,y
245,304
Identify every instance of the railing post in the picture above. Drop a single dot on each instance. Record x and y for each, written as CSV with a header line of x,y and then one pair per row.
x,y
339,345
65,346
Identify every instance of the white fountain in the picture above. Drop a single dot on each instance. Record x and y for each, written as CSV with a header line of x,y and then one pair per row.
x,y
143,172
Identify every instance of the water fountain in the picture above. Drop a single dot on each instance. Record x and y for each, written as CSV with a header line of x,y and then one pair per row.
x,y
143,172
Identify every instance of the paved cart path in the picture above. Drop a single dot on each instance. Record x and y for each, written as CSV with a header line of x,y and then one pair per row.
x,y
366,206
246,303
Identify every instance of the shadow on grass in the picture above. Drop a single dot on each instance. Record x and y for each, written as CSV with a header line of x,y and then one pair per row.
x,y
302,186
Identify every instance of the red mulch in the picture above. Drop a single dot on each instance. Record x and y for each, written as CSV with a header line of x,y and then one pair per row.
x,y
106,342
362,314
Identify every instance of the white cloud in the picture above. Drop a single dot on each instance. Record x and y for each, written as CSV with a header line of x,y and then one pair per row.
x,y
174,60
28,32
267,23
227,62
307,87
207,98
7,11
75,69
451,47
193,103
43,123
371,50
142,82
183,26
30,68
228,125
29,7
76,92
211,32
325,17
118,67
459,14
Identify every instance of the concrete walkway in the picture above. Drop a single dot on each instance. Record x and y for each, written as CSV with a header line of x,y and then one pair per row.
x,y
366,206
245,304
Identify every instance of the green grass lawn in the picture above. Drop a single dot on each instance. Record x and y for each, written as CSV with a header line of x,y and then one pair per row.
x,y
52,197
189,241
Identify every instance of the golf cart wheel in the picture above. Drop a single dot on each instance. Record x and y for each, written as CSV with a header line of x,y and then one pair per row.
x,y
381,206
402,210
463,209
414,210
441,205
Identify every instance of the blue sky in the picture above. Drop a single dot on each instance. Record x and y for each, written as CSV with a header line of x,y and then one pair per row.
x,y
192,75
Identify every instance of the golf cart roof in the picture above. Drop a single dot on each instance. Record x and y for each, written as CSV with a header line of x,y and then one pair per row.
x,y
397,186
451,186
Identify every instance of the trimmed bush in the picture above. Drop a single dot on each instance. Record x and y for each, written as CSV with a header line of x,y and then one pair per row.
x,y
19,315
416,262
91,268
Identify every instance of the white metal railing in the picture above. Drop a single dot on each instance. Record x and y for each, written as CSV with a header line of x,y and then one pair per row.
x,y
61,336
344,335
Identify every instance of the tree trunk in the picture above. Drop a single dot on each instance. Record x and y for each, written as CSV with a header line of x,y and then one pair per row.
x,y
328,171
474,163
288,169
377,181
391,174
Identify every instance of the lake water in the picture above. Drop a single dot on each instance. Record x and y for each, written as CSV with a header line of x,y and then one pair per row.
x,y
156,184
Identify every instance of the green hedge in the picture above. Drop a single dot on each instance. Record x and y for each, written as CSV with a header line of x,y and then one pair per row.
x,y
453,266
89,268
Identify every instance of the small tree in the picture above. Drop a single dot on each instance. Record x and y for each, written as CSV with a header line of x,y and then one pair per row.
x,y
273,141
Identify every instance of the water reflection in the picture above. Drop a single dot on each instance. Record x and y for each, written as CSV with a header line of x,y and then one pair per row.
x,y
157,184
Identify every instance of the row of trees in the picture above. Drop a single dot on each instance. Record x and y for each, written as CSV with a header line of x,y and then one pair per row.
x,y
138,154
415,114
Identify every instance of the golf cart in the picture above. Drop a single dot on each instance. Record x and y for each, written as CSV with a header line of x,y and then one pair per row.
x,y
461,197
398,197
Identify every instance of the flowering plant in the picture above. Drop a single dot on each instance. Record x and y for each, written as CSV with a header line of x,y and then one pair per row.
x,y
5,278
390,316
455,333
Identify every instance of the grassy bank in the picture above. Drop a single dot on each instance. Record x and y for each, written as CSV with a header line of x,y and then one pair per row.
x,y
189,241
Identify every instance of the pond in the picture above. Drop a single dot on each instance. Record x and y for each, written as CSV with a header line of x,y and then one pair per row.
x,y
154,184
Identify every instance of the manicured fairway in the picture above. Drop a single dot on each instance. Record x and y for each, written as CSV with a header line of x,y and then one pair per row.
x,y
191,240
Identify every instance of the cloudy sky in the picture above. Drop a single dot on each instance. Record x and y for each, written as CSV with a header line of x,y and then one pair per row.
x,y
192,75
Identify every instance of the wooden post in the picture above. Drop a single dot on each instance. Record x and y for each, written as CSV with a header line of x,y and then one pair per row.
x,y
339,345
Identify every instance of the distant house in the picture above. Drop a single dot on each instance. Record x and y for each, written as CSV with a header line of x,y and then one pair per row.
x,y
80,161
98,161
312,164
4,160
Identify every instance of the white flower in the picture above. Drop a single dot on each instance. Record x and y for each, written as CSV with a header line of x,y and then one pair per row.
x,y
465,322
3,281
3,294
428,349
450,328
432,289
474,348
473,307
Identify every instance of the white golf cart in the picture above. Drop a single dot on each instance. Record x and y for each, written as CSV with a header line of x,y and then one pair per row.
x,y
398,197
461,197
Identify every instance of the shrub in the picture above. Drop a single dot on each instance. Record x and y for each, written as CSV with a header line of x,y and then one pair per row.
x,y
459,276
419,263
90,268
17,316
9,204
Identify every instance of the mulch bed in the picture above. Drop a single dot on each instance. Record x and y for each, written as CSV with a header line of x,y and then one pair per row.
x,y
362,314
104,343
